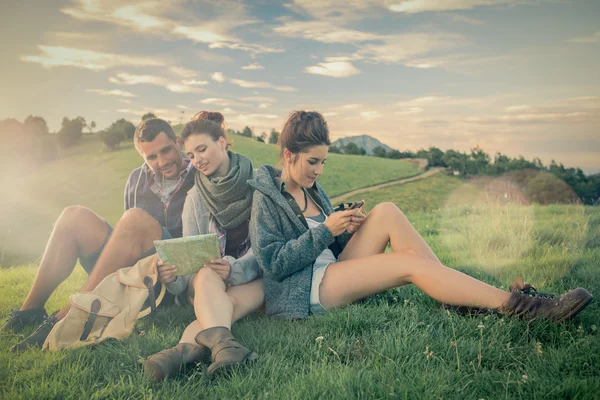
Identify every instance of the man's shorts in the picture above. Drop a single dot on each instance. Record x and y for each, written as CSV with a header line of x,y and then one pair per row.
x,y
90,261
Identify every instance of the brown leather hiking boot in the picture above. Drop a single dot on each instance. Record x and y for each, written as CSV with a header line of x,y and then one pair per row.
x,y
468,311
526,302
168,362
226,351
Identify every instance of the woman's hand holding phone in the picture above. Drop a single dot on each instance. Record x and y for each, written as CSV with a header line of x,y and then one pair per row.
x,y
357,218
339,221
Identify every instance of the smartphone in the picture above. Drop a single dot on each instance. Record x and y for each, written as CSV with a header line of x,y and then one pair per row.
x,y
356,204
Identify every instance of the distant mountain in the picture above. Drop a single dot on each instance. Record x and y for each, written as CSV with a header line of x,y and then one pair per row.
x,y
364,142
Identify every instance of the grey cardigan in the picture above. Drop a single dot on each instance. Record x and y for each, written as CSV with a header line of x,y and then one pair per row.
x,y
197,220
284,246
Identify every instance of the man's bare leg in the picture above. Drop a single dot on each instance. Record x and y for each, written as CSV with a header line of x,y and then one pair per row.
x,y
133,236
77,232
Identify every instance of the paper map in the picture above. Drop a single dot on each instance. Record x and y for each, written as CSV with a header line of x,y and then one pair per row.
x,y
188,254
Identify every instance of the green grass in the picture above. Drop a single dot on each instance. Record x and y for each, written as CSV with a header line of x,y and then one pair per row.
x,y
397,344
87,175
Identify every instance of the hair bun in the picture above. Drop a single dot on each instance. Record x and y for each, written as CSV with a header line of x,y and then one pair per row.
x,y
214,116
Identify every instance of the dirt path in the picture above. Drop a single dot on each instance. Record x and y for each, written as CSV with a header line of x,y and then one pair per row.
x,y
353,193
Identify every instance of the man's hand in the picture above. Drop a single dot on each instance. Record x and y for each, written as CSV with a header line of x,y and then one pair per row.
x,y
221,267
166,272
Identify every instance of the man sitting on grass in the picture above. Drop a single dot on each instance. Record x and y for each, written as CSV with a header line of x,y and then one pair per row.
x,y
154,197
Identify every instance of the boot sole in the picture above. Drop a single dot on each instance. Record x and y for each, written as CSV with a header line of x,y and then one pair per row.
x,y
226,368
579,309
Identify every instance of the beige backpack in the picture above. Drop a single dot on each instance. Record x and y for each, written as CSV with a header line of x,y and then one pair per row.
x,y
110,310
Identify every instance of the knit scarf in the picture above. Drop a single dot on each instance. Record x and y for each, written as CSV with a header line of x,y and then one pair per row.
x,y
228,198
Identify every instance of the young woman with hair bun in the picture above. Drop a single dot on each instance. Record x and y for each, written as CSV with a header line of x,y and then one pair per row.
x,y
315,259
226,289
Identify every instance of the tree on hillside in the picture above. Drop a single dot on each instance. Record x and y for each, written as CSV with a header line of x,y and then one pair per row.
x,y
10,128
274,137
71,131
148,116
379,152
455,160
35,126
434,157
334,149
92,126
124,126
247,132
352,148
112,138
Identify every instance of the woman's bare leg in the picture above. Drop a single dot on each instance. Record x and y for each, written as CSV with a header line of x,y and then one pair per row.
x,y
363,270
386,224
215,306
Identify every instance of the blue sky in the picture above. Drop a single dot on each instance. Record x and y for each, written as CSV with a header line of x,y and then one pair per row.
x,y
516,76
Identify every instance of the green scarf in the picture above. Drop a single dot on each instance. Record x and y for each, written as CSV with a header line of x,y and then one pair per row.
x,y
229,197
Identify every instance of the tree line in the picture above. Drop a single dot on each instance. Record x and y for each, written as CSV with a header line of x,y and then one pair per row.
x,y
32,139
538,180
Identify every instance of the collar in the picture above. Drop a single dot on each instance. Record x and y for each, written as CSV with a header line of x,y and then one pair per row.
x,y
281,186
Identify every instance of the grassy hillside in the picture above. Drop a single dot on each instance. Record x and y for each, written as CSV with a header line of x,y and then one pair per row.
x,y
89,176
398,344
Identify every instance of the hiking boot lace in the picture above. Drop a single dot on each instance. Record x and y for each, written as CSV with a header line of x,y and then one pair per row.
x,y
532,292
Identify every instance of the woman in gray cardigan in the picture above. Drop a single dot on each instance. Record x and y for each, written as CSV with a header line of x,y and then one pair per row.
x,y
315,259
226,289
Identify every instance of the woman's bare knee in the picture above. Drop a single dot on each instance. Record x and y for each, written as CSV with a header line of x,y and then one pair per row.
x,y
205,278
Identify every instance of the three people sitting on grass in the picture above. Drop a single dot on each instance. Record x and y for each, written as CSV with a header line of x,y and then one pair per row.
x,y
277,224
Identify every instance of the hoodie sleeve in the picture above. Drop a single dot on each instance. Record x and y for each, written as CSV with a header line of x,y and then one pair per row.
x,y
278,257
243,270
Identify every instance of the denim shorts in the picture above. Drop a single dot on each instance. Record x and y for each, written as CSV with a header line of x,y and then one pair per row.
x,y
316,308
88,262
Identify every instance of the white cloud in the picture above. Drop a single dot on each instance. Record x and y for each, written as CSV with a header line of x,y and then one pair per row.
x,y
55,56
125,101
149,17
417,6
264,105
260,99
464,18
215,101
324,32
182,107
371,114
398,48
584,99
338,69
194,82
261,85
218,76
143,16
403,48
218,40
595,38
253,66
183,72
409,111
518,108
124,78
114,92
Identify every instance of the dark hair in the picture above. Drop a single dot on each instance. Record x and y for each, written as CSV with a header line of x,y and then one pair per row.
x,y
302,130
211,123
149,129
